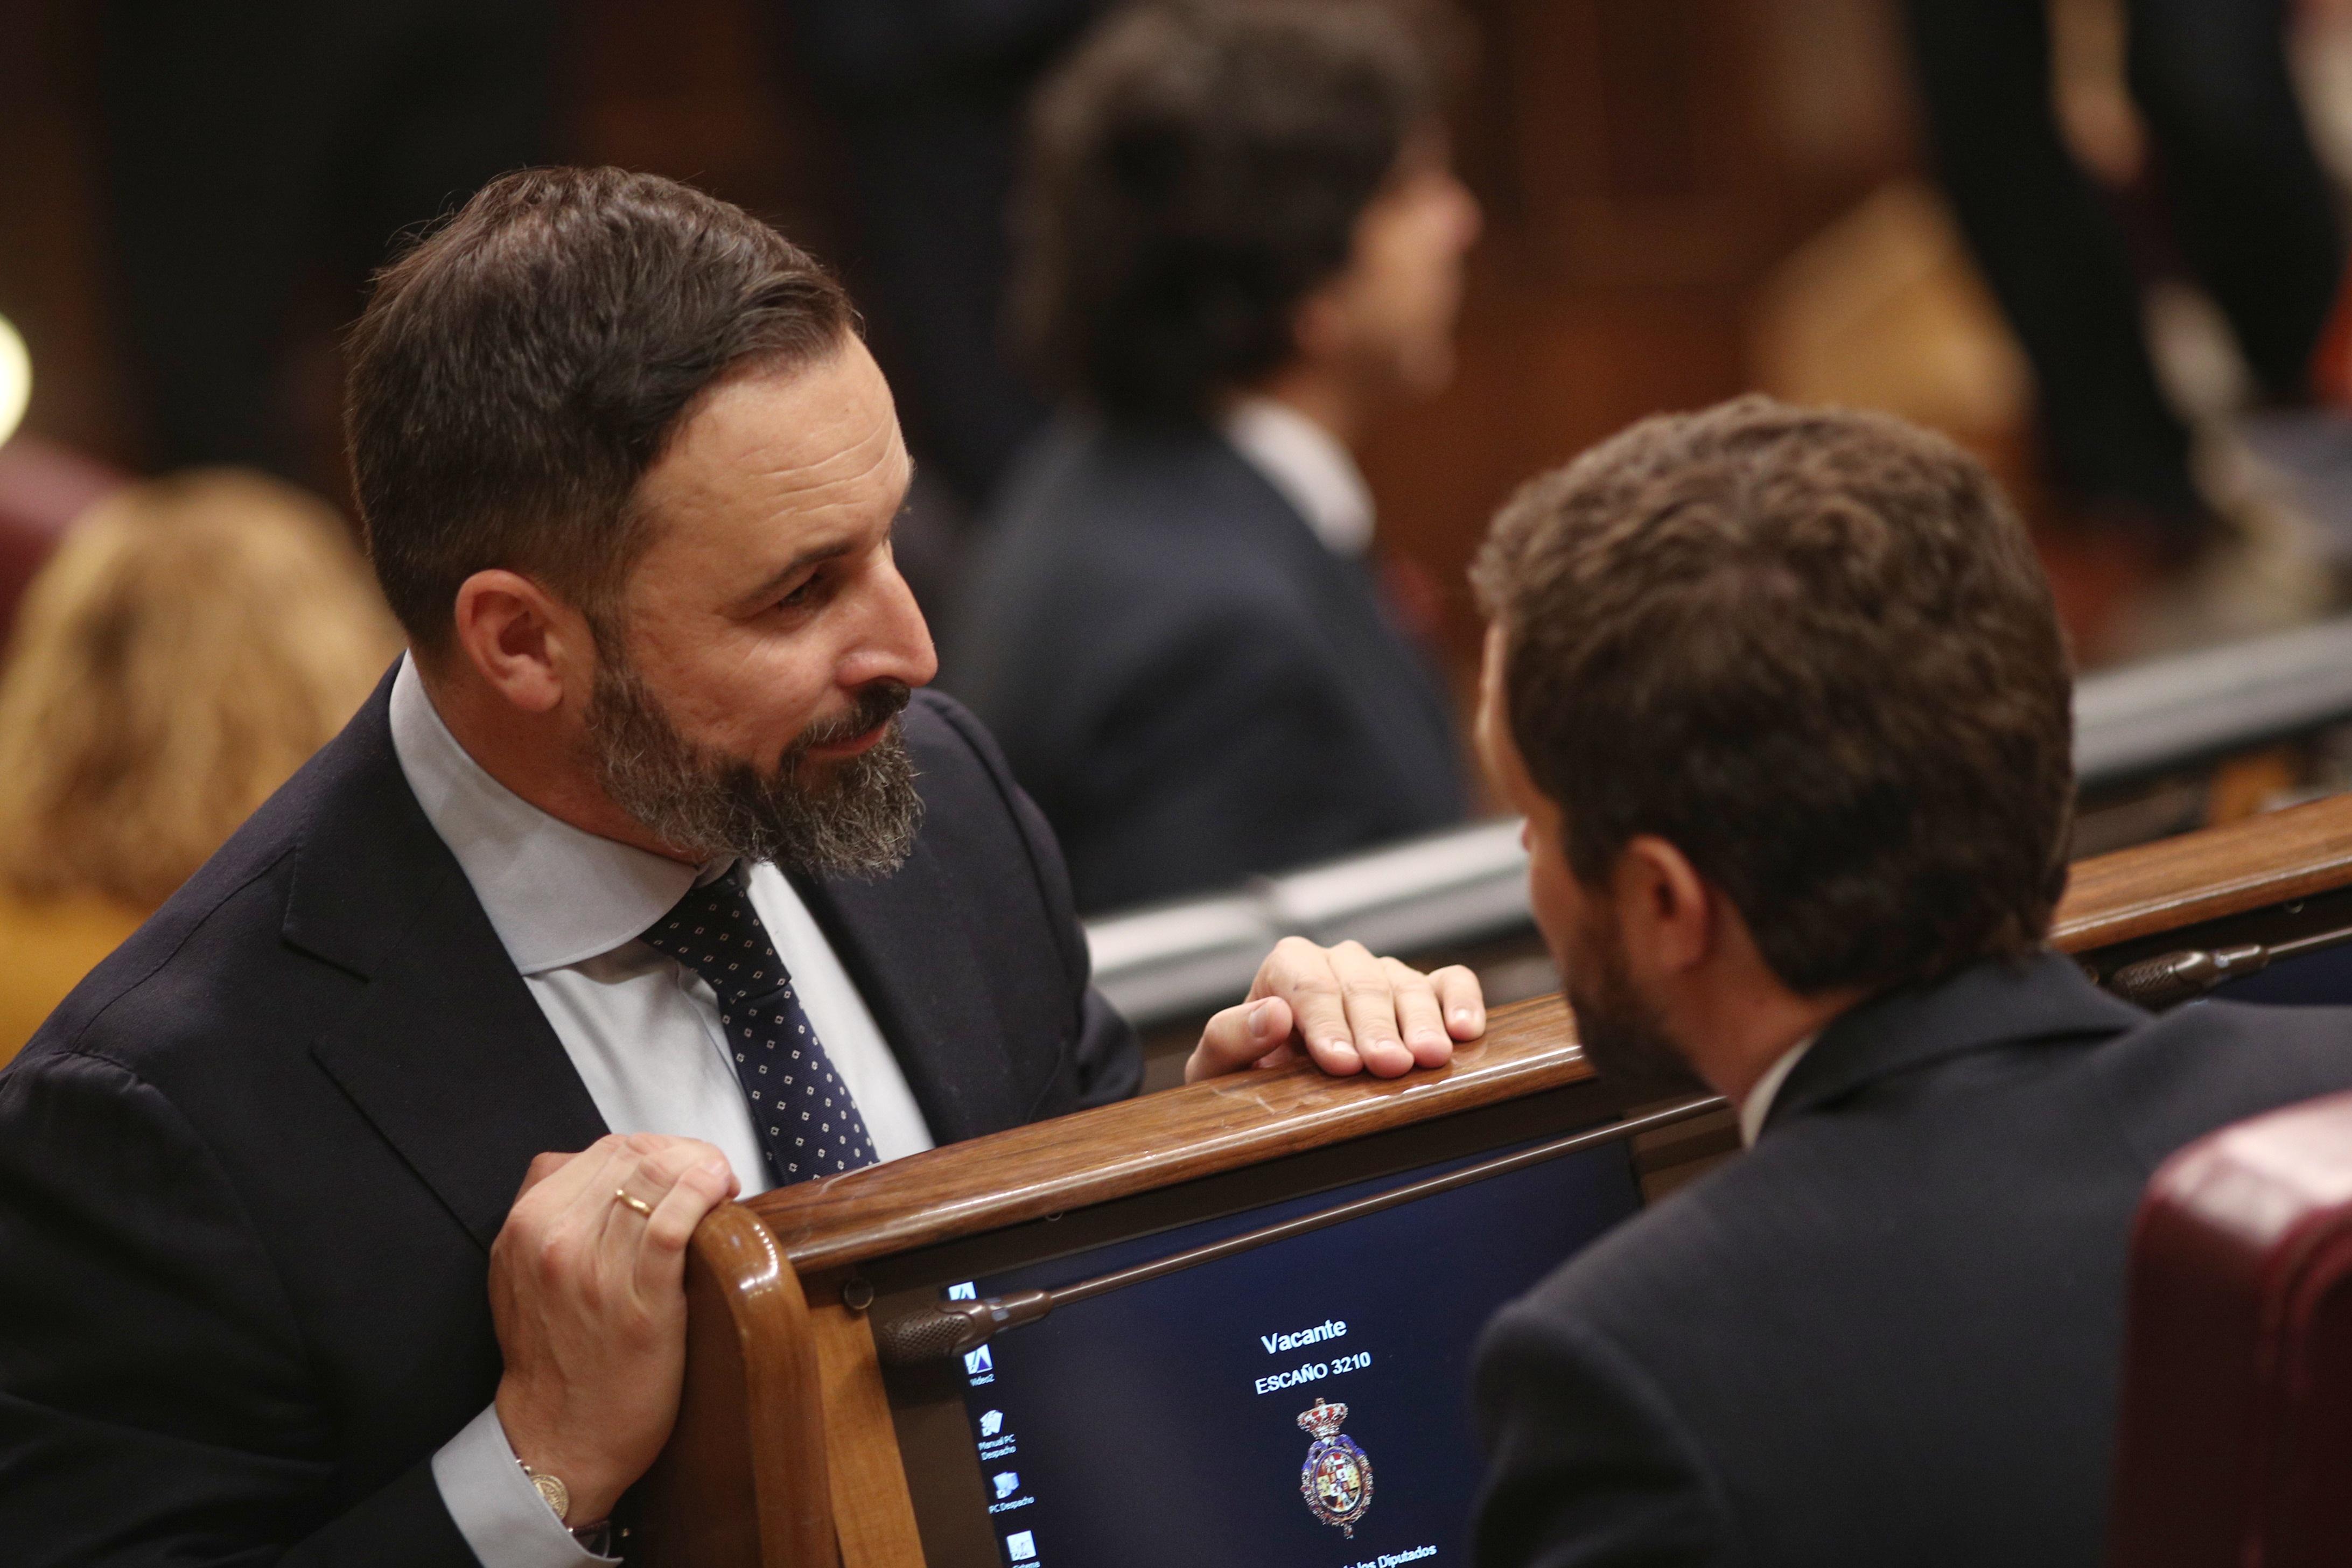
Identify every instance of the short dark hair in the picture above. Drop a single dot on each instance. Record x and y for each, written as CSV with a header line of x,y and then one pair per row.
x,y
1196,168
1814,651
519,369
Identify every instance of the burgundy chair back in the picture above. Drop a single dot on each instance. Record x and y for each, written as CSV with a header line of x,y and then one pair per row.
x,y
2235,1444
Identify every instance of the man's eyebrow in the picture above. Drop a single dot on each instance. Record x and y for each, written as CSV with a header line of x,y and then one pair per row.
x,y
799,563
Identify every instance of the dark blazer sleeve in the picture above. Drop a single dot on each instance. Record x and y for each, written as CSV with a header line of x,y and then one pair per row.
x,y
1586,1462
155,1403
1106,1058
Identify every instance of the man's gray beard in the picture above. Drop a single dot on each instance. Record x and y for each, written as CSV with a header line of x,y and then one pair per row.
x,y
857,818
1617,1027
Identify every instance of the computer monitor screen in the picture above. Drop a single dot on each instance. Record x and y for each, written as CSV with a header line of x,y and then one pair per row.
x,y
1303,1404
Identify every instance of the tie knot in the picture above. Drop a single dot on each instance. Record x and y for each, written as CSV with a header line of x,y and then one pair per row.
x,y
715,931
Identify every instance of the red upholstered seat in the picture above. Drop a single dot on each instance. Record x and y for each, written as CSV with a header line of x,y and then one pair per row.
x,y
2235,1444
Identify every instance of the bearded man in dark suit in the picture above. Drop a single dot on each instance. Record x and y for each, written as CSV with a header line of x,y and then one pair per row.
x,y
648,877
1783,697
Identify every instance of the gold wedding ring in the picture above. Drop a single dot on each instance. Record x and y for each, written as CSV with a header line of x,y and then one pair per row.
x,y
633,1201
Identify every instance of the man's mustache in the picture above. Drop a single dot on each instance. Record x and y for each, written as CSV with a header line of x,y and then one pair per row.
x,y
875,704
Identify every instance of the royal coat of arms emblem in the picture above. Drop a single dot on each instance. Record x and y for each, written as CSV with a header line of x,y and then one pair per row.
x,y
1337,1479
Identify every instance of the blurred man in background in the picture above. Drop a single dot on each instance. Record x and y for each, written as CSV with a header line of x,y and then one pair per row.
x,y
1243,239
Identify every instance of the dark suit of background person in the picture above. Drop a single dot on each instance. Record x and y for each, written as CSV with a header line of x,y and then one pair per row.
x,y
2254,213
1190,683
250,1171
1241,241
1724,1380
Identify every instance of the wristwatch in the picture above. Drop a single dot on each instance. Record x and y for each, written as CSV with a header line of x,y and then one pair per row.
x,y
594,1537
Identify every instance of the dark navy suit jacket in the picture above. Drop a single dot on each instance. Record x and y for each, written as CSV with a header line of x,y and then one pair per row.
x,y
250,1170
1890,1332
1190,685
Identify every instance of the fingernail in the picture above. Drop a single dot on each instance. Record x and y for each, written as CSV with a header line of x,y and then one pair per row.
x,y
1261,1019
1464,1017
716,1167
1344,1053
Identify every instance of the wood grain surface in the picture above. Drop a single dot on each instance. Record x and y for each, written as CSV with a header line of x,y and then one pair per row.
x,y
873,1510
741,1483
1153,1142
1203,1128
2199,876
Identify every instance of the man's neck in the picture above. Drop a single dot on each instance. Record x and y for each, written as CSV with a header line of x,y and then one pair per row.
x,y
537,756
1737,1037
1321,394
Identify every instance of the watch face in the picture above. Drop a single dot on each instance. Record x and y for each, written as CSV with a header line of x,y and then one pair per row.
x,y
552,1490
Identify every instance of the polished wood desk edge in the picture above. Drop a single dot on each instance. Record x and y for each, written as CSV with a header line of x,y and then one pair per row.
x,y
1202,1130
741,1484
1177,1135
2205,876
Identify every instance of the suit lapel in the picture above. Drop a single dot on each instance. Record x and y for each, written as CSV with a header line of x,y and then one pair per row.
x,y
447,1054
903,941
1985,1006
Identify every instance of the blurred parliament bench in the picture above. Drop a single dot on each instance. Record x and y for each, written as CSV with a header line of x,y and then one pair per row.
x,y
1231,1323
2161,748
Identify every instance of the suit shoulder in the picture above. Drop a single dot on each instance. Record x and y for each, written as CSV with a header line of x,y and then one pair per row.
x,y
2200,1068
177,985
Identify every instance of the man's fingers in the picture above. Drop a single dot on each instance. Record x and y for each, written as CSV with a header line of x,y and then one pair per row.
x,y
1238,1036
1371,1005
569,1175
1463,1000
1419,1018
1304,976
661,1248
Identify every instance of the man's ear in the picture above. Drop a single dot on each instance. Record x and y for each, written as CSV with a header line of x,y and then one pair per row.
x,y
526,644
1664,908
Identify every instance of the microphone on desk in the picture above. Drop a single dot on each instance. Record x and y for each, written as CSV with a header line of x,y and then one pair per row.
x,y
952,1328
2174,977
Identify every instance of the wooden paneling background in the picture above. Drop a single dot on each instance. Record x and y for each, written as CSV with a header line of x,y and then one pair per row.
x,y
1644,165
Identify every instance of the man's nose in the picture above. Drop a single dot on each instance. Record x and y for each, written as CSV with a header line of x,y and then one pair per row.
x,y
897,641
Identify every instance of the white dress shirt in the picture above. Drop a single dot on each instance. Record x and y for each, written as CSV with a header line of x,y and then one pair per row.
x,y
1758,1103
642,1030
1309,467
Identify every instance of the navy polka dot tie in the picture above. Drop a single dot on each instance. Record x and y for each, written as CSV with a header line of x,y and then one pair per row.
x,y
806,1121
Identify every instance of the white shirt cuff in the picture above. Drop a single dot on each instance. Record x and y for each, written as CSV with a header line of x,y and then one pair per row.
x,y
497,1510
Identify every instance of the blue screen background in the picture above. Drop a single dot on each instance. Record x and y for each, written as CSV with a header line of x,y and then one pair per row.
x,y
1133,1427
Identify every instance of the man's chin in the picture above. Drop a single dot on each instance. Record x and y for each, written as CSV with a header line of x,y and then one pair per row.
x,y
1630,1055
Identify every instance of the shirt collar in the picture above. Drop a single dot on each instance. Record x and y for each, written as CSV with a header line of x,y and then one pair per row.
x,y
555,895
1758,1103
1310,469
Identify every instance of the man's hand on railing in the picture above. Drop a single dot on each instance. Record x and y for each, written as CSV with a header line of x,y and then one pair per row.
x,y
1347,1009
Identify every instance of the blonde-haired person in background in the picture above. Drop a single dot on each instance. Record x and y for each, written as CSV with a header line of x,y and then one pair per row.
x,y
190,645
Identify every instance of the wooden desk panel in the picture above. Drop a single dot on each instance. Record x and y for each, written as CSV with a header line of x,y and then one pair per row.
x,y
786,1409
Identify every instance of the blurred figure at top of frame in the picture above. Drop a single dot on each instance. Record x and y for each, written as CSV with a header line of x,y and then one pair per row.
x,y
1241,239
188,647
2250,207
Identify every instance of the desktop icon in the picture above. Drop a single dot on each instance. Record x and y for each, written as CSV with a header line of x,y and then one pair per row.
x,y
980,1363
1020,1547
967,1292
1337,1479
1007,1483
991,1422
